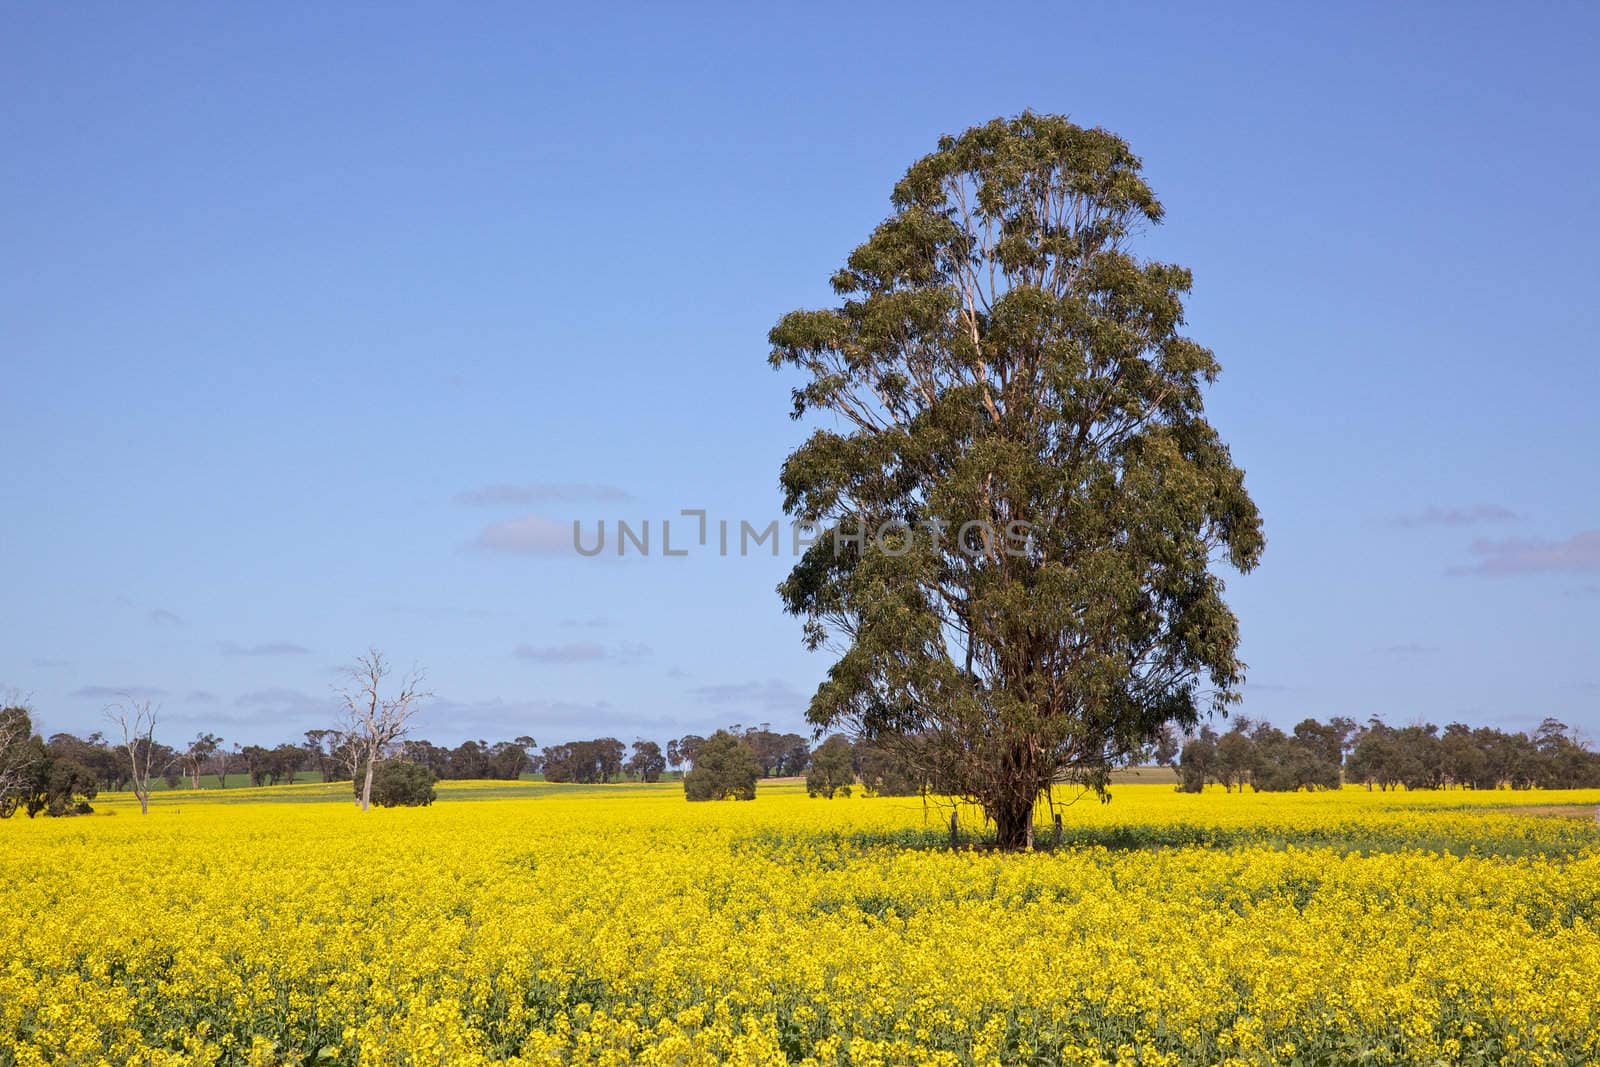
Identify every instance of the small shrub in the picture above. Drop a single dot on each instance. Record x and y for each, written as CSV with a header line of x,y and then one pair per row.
x,y
724,769
399,784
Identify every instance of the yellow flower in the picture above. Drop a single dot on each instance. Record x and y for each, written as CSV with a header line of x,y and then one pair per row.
x,y
562,925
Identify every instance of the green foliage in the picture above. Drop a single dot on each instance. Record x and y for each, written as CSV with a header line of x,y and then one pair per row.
x,y
647,762
1198,762
269,766
778,754
1236,759
40,777
832,768
19,749
1320,755
1001,357
329,752
683,749
589,762
896,766
65,788
1310,758
106,763
724,769
58,786
396,783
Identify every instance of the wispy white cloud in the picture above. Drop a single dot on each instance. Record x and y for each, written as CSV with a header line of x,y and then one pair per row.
x,y
1578,553
163,617
119,692
583,652
1472,515
770,695
275,711
532,535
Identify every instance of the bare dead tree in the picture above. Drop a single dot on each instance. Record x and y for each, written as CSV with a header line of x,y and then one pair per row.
x,y
137,721
13,743
17,756
346,751
373,721
197,755
221,761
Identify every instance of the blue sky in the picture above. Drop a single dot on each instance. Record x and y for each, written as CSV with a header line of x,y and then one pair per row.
x,y
314,320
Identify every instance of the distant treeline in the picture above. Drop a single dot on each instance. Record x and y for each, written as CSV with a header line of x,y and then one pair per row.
x,y
839,765
1318,755
61,774
602,759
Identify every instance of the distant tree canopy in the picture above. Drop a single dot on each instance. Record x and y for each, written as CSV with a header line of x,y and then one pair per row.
x,y
779,754
1320,755
832,768
724,769
396,783
1164,750
647,762
269,766
37,777
63,774
1198,761
198,756
901,766
880,769
331,753
587,762
682,751
61,786
1008,391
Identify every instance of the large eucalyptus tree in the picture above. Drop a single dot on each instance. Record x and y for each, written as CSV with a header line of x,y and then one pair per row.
x,y
1000,356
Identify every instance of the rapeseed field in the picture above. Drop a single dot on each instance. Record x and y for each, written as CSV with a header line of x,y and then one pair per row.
x,y
533,924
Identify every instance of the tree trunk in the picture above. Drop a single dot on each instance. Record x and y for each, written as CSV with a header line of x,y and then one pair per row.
x,y
366,787
1013,823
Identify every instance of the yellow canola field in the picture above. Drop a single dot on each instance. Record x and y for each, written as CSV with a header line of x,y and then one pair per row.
x,y
536,924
